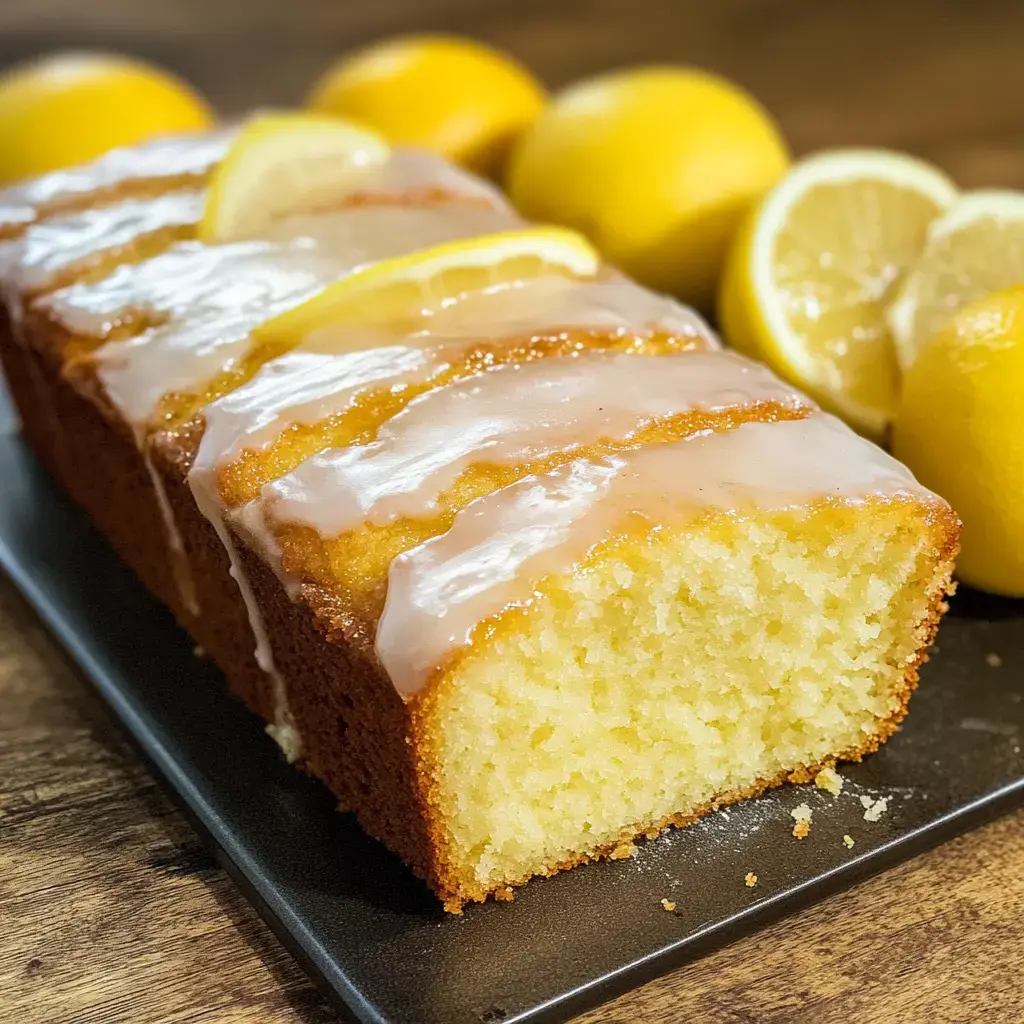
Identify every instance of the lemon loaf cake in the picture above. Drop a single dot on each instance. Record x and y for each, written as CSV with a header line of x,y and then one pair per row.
x,y
523,567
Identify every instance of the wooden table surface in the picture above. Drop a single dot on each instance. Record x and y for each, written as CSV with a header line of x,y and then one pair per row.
x,y
111,911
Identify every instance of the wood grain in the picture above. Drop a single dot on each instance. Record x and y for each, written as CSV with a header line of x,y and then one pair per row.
x,y
110,909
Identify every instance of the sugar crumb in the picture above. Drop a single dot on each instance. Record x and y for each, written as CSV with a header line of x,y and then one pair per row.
x,y
993,660
866,801
750,880
802,814
876,809
829,780
668,905
848,842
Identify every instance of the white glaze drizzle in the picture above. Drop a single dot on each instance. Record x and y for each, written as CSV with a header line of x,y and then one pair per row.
x,y
322,377
301,387
502,545
170,157
213,296
283,728
180,569
510,414
61,242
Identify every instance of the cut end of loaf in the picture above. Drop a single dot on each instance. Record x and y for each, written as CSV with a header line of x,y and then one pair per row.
x,y
675,672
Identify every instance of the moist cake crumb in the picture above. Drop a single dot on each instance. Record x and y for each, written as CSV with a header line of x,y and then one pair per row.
x,y
668,905
993,660
750,880
829,780
848,842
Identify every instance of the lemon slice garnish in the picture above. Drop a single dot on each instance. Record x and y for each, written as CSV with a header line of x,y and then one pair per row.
x,y
807,281
283,163
975,248
402,288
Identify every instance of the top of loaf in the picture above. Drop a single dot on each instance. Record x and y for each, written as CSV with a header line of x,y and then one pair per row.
x,y
455,460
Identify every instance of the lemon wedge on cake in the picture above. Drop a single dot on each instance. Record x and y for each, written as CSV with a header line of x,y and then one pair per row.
x,y
974,249
282,163
404,287
807,279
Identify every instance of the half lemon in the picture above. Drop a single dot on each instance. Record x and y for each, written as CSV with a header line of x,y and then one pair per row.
x,y
807,279
974,249
282,163
403,288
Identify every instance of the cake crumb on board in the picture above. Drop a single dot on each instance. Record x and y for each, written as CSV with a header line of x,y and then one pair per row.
x,y
668,905
802,814
829,780
848,842
874,809
750,880
993,660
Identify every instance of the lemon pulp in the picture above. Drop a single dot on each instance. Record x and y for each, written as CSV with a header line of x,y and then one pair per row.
x,y
280,164
974,249
808,279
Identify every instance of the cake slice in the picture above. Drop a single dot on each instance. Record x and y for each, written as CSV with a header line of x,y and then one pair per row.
x,y
524,575
622,643
611,593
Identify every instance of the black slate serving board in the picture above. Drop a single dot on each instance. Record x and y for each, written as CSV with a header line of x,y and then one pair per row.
x,y
373,937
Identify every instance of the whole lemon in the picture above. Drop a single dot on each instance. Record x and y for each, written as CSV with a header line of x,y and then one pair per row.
x,y
960,428
461,98
658,166
68,108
